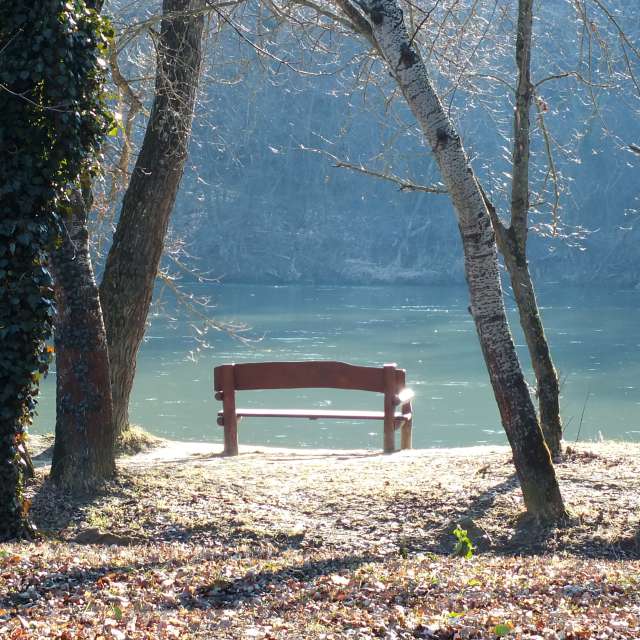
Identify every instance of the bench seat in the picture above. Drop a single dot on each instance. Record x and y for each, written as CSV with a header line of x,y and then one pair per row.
x,y
315,414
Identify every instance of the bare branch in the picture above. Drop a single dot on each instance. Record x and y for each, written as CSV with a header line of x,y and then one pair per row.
x,y
360,23
345,22
572,74
404,184
552,167
261,50
193,306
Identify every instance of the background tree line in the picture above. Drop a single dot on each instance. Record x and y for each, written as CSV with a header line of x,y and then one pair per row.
x,y
250,178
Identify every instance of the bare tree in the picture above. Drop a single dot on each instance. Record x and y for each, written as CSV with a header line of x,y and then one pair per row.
x,y
468,43
132,263
382,23
512,241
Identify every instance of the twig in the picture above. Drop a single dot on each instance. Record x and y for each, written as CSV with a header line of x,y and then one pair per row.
x,y
260,50
405,185
552,165
190,304
584,406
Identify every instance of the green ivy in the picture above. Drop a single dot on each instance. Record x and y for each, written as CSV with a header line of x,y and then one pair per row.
x,y
53,118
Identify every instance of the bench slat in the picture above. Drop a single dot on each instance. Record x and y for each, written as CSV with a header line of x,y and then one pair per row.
x,y
311,374
315,414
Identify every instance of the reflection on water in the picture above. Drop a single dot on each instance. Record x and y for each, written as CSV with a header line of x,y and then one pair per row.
x,y
595,337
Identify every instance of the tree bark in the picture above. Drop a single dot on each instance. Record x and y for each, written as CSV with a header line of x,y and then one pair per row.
x,y
530,455
132,263
84,449
548,388
512,242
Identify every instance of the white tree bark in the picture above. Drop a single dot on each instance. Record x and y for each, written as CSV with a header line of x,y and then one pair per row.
x,y
531,456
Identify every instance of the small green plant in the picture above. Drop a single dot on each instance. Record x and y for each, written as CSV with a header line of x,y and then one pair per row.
x,y
464,547
502,630
97,519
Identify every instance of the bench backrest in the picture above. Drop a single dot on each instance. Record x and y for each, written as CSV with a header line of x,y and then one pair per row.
x,y
310,374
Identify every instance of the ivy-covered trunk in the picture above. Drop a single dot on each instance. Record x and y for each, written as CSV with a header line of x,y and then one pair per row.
x,y
138,243
530,455
84,449
26,307
49,70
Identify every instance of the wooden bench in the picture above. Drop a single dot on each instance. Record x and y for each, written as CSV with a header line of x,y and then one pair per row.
x,y
389,380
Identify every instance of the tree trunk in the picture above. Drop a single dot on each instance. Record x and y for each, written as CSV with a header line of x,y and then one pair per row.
x,y
84,450
512,242
530,455
132,264
548,389
22,335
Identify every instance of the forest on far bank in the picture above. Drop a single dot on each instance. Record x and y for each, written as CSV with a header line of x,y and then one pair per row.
x,y
262,199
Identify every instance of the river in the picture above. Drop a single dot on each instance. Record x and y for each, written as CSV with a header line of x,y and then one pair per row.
x,y
594,335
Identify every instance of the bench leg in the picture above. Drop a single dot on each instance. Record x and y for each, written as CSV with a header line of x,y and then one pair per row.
x,y
389,444
405,435
405,429
389,438
231,437
229,413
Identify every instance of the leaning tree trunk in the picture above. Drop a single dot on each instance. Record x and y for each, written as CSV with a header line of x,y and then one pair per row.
x,y
548,389
530,455
512,242
84,449
134,257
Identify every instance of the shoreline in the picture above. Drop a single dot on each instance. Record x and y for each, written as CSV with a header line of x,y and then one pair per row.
x,y
175,449
186,450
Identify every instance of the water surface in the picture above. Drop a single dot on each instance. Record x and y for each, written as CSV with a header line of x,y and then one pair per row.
x,y
595,337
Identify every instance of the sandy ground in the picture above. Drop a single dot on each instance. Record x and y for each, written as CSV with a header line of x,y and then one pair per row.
x,y
408,500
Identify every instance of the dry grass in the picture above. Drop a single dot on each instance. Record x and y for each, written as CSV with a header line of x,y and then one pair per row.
x,y
136,440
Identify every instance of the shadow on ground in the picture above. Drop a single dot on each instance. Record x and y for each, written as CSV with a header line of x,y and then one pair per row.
x,y
269,511
253,585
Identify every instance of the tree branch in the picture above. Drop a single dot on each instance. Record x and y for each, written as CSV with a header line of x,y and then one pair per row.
x,y
405,185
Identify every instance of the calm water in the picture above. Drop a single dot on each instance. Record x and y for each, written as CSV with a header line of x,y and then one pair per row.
x,y
595,336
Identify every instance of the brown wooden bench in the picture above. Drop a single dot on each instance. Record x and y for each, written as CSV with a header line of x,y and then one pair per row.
x,y
389,380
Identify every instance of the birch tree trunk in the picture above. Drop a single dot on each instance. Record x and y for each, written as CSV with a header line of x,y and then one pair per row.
x,y
512,242
530,454
84,449
132,263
